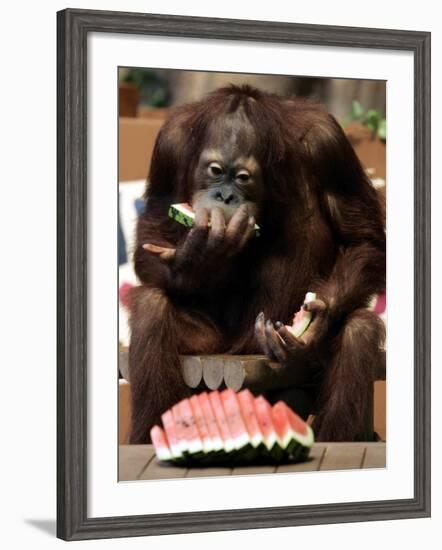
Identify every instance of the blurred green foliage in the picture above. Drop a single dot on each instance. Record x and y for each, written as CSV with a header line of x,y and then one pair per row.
x,y
153,88
371,118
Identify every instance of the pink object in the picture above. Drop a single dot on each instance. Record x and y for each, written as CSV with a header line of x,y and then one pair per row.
x,y
381,303
123,293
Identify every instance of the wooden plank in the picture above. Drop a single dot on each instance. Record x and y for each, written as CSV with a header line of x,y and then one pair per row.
x,y
161,470
343,456
311,465
246,470
208,472
132,459
375,456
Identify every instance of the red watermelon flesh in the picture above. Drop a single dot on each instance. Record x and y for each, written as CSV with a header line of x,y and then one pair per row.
x,y
212,425
201,425
246,403
282,425
171,433
290,428
194,443
179,428
221,420
302,432
264,415
160,443
234,419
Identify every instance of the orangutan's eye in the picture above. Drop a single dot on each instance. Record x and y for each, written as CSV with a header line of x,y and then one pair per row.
x,y
243,176
215,169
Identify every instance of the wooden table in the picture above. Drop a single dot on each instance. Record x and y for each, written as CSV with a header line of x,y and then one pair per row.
x,y
139,462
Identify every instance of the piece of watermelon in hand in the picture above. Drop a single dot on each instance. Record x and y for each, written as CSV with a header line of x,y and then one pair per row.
x,y
302,318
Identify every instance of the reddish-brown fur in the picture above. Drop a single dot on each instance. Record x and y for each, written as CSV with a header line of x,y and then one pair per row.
x,y
321,230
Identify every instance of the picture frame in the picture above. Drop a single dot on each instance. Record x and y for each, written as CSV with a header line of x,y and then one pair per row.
x,y
73,28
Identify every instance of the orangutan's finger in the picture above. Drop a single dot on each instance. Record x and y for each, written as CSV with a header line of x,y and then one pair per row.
x,y
164,253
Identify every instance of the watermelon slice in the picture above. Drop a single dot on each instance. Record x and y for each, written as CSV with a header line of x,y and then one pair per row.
x,y
160,444
246,403
183,213
171,434
235,421
210,418
301,432
190,431
226,427
302,318
293,434
201,425
221,420
264,415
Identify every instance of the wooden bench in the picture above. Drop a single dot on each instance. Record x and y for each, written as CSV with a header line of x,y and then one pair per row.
x,y
234,371
255,372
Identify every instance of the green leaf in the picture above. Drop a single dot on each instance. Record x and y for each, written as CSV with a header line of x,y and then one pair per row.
x,y
356,109
372,120
382,129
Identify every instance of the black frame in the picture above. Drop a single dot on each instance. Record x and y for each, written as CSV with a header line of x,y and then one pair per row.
x,y
73,27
